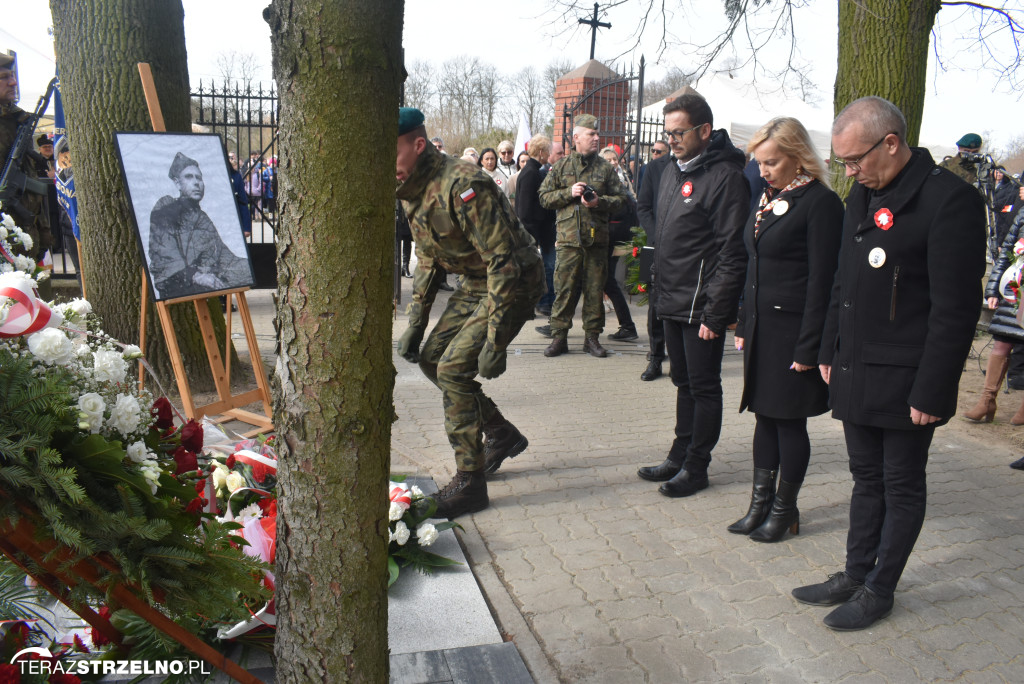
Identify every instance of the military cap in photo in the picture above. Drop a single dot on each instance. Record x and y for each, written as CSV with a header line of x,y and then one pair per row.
x,y
586,121
971,140
6,60
409,119
43,140
180,163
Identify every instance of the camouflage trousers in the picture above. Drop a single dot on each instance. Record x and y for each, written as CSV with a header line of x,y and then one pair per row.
x,y
449,360
579,270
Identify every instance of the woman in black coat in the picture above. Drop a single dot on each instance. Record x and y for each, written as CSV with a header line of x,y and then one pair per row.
x,y
792,241
1005,330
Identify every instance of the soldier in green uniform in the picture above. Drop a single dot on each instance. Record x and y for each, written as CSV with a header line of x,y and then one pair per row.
x,y
581,238
969,144
462,223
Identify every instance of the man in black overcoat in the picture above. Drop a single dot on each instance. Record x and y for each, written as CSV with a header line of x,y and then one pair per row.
x,y
901,320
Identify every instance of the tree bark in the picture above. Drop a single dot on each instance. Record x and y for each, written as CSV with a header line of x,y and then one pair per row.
x,y
338,69
883,51
99,45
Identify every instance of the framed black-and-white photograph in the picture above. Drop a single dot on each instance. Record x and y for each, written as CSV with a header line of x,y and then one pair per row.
x,y
185,213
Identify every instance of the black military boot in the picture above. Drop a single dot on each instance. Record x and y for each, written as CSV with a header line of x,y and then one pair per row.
x,y
760,502
784,515
503,440
466,493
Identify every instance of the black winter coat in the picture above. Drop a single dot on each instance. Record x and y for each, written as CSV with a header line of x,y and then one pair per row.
x,y
538,221
790,269
1004,321
700,260
647,196
898,333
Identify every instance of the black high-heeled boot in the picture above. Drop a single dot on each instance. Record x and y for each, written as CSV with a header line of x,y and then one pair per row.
x,y
761,498
784,515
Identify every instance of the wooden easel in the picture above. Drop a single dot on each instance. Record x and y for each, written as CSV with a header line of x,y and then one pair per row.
x,y
228,406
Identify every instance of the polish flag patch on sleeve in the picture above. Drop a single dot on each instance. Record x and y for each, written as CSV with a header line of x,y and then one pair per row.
x,y
468,195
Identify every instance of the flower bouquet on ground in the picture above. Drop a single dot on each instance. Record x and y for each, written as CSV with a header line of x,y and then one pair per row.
x,y
631,254
97,466
410,533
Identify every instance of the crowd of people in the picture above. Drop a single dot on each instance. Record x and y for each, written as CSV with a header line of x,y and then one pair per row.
x,y
866,309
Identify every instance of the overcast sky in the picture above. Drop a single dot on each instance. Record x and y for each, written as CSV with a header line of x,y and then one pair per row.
x,y
517,33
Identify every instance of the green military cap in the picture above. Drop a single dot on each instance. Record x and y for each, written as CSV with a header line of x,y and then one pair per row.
x,y
586,121
409,118
6,60
971,140
180,163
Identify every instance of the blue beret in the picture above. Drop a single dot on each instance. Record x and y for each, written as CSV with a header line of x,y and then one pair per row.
x,y
409,118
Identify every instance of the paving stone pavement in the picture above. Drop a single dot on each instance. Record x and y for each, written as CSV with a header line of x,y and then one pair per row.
x,y
599,578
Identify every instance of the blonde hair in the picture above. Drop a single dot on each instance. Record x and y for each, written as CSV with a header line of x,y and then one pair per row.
x,y
610,150
539,148
793,140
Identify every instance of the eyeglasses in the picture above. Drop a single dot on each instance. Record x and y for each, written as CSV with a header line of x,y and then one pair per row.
x,y
854,164
678,135
656,152
505,152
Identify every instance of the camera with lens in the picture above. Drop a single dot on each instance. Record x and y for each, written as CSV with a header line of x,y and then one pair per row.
x,y
589,193
975,157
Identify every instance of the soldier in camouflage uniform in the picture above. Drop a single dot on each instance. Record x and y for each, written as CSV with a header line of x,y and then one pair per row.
x,y
462,222
581,239
969,144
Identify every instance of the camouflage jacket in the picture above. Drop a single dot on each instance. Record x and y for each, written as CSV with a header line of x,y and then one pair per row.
x,y
39,227
576,225
462,222
961,167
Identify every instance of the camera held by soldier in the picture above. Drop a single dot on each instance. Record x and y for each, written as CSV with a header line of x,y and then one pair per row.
x,y
589,194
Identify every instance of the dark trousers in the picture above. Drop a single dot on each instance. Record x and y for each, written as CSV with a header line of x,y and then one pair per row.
x,y
696,371
406,246
548,257
614,292
782,444
888,502
655,332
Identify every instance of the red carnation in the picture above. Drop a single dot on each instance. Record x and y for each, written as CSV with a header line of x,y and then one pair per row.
x,y
185,459
641,288
636,250
98,639
10,674
163,413
59,678
195,505
192,436
268,506
200,486
80,645
231,462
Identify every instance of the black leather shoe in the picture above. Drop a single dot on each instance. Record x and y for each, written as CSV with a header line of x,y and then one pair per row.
x,y
652,372
864,609
445,286
1018,464
659,473
761,497
838,588
686,483
557,347
624,335
592,346
544,330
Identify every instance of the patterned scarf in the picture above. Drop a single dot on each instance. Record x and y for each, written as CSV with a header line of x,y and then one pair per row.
x,y
767,202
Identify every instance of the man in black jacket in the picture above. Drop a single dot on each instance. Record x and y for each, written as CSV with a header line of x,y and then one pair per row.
x,y
699,266
901,320
646,204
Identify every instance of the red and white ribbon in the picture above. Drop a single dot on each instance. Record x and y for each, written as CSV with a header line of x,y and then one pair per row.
x,y
29,314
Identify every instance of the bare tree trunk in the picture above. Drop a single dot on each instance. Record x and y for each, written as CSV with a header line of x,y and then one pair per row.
x,y
883,50
98,45
338,69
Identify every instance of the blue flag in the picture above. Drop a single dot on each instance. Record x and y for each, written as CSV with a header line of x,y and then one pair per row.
x,y
64,180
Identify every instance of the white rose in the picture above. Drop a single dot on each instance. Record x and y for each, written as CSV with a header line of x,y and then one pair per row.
x,y
92,406
108,366
132,351
401,534
80,306
234,481
125,414
51,346
219,475
427,534
138,452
